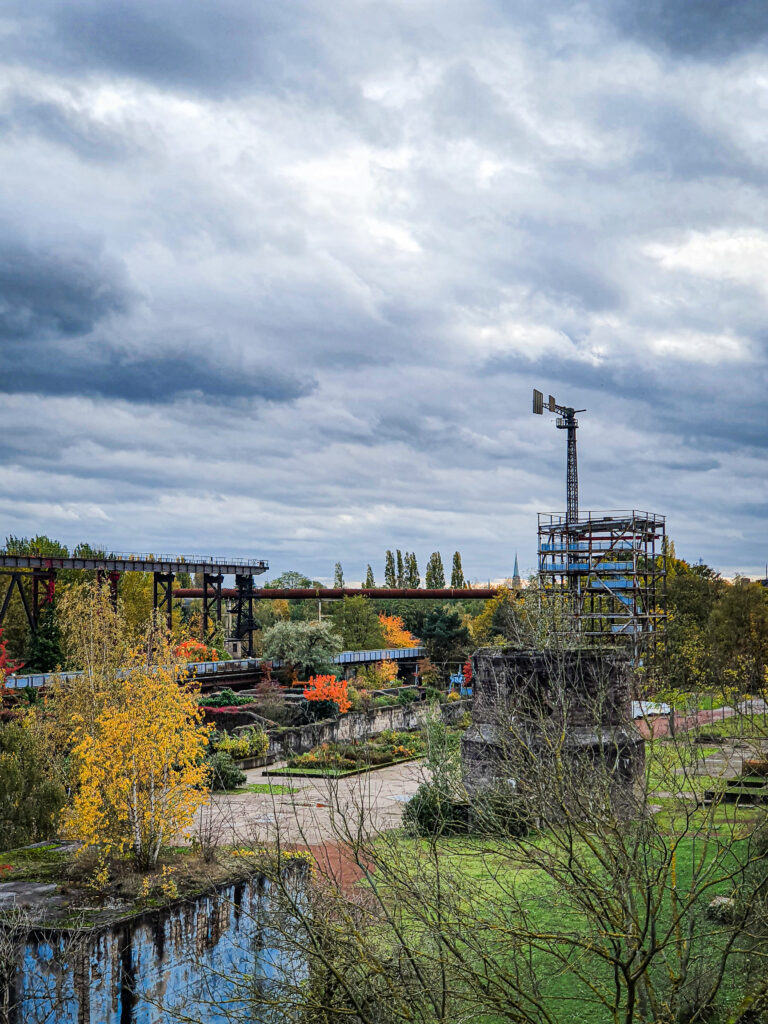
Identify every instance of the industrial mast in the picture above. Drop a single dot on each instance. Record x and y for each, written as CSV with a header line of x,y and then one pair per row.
x,y
611,566
565,421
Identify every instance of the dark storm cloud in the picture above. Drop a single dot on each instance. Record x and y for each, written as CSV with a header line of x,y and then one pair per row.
x,y
670,141
698,28
215,46
29,115
154,378
723,407
60,290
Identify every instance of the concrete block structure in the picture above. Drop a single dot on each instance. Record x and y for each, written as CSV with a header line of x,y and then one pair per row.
x,y
554,727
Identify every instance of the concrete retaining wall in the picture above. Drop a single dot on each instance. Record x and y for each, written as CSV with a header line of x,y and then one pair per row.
x,y
358,725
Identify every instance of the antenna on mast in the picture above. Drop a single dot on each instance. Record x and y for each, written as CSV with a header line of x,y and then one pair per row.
x,y
565,421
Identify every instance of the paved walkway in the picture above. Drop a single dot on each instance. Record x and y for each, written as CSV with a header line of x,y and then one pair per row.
x,y
656,727
319,808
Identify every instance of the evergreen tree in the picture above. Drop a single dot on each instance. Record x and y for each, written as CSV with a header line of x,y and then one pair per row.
x,y
44,653
435,572
457,573
369,580
446,637
390,580
412,571
400,569
356,622
338,575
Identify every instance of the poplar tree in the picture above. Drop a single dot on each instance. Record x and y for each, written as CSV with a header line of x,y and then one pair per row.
x,y
338,575
457,573
390,580
369,580
412,571
400,569
435,572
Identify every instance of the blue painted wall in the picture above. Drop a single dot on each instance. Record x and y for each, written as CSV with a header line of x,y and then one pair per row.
x,y
193,958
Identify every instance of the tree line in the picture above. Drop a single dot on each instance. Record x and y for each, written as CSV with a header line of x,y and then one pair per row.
x,y
401,571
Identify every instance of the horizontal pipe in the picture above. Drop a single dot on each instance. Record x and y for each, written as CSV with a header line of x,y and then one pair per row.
x,y
329,593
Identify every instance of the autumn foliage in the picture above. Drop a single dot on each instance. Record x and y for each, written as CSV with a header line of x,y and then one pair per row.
x,y
139,763
329,688
6,665
194,651
395,632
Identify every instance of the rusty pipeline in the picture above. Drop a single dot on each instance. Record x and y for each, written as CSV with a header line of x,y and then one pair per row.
x,y
336,593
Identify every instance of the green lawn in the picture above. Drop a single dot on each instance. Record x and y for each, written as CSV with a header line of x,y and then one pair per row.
x,y
664,758
499,887
273,788
738,727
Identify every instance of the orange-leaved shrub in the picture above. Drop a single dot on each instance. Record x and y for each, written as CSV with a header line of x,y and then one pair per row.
x,y
329,688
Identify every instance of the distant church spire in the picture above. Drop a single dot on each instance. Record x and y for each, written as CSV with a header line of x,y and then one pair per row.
x,y
517,583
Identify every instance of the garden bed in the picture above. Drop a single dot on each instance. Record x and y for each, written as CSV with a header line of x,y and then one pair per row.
x,y
353,757
337,773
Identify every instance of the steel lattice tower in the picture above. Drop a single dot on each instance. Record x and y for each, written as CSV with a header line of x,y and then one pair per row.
x,y
610,565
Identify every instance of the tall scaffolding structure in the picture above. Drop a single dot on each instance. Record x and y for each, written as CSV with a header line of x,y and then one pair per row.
x,y
610,566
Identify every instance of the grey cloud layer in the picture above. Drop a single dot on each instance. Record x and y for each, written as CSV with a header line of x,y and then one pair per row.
x,y
288,272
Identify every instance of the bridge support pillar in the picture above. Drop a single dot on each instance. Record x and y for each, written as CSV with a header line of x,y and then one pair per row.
x,y
162,596
244,610
113,578
211,605
43,590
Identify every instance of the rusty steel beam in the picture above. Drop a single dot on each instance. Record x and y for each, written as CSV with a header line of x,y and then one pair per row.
x,y
334,593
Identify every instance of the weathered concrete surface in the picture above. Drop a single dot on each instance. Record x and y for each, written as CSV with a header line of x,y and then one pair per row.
x,y
530,703
27,895
316,812
194,955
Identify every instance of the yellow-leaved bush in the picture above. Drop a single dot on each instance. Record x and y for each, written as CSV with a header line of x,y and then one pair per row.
x,y
139,762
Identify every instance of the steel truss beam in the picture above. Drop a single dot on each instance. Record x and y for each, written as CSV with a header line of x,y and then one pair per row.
x,y
16,580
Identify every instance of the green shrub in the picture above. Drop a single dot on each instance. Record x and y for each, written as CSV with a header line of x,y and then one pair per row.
x,y
258,740
433,695
235,746
432,812
407,696
226,698
250,742
498,811
389,746
31,797
225,774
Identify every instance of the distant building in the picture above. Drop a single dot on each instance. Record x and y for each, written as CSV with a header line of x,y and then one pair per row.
x,y
517,583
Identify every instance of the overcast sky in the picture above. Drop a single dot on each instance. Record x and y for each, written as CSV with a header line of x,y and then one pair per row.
x,y
277,278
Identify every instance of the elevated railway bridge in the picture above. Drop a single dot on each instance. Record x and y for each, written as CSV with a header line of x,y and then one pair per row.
x,y
239,673
17,569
